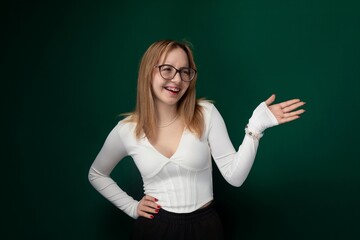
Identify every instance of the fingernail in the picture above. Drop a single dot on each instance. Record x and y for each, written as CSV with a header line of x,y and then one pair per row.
x,y
156,210
158,206
156,199
151,216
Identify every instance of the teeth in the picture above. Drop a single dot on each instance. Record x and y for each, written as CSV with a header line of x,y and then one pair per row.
x,y
174,89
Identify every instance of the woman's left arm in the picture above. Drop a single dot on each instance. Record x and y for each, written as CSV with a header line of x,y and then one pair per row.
x,y
235,165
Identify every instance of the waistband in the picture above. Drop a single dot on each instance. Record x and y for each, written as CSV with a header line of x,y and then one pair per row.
x,y
180,218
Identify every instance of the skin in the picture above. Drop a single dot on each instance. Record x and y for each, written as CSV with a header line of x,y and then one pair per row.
x,y
166,104
285,111
166,101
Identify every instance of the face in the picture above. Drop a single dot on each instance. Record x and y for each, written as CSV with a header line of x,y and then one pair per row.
x,y
169,92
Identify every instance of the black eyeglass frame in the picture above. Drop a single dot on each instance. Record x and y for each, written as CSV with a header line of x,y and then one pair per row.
x,y
176,71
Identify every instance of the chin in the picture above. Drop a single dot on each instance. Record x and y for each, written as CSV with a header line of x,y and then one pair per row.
x,y
170,102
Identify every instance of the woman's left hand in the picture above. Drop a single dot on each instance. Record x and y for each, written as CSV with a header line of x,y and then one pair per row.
x,y
285,111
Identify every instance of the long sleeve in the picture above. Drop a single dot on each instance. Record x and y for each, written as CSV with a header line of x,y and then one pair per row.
x,y
109,156
236,165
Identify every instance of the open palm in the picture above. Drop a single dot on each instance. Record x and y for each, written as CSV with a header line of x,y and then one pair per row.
x,y
285,111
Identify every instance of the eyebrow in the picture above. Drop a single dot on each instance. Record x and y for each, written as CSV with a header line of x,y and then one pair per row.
x,y
174,66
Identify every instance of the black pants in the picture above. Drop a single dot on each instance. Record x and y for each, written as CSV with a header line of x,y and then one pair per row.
x,y
201,224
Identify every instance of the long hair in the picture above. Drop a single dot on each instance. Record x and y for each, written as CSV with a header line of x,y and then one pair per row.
x,y
188,106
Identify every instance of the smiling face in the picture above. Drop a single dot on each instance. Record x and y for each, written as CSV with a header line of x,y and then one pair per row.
x,y
169,92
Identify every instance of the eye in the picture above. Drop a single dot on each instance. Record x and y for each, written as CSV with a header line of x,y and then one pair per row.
x,y
166,69
185,71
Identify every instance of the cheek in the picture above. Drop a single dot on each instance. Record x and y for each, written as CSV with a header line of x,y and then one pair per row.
x,y
154,82
186,86
157,80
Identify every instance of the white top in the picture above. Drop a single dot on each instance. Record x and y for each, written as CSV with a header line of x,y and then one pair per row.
x,y
183,182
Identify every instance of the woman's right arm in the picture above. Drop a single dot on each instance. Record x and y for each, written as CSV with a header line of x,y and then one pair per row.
x,y
109,156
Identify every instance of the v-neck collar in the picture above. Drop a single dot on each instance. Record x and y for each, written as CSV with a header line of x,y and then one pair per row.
x,y
161,154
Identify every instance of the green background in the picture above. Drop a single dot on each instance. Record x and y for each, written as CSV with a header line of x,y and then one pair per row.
x,y
71,67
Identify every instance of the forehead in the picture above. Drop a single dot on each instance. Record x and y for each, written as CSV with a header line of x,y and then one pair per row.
x,y
176,57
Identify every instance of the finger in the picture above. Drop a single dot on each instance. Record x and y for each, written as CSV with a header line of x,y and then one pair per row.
x,y
151,201
289,119
270,100
298,112
145,215
141,210
149,209
150,198
293,106
292,114
288,103
151,204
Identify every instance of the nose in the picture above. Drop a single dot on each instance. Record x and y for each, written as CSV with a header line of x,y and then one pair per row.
x,y
176,78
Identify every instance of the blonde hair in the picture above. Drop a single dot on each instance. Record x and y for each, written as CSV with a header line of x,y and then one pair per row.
x,y
188,106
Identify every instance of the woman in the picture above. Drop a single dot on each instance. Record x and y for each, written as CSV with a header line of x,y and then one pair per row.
x,y
171,136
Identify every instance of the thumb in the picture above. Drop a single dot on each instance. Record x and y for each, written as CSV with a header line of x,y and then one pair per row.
x,y
270,100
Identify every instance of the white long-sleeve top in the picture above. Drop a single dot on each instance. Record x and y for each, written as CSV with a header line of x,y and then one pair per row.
x,y
183,182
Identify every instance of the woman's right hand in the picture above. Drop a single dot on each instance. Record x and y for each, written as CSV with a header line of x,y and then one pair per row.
x,y
147,206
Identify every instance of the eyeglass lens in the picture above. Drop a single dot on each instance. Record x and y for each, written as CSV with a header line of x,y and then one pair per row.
x,y
168,72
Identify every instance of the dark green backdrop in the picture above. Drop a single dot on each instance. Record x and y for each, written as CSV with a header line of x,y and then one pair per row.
x,y
70,68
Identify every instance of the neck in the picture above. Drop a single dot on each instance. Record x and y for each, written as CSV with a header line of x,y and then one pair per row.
x,y
165,113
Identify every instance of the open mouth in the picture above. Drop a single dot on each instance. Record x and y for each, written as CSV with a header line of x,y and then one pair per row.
x,y
172,89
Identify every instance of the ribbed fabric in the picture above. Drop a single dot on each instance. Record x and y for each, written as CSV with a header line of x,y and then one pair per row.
x,y
183,182
178,189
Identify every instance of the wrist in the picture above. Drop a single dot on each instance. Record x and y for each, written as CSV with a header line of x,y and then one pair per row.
x,y
262,118
253,133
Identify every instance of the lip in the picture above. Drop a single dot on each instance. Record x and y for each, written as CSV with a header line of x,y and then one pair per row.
x,y
172,89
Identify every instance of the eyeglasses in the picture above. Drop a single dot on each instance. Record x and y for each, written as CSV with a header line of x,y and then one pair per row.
x,y
168,72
